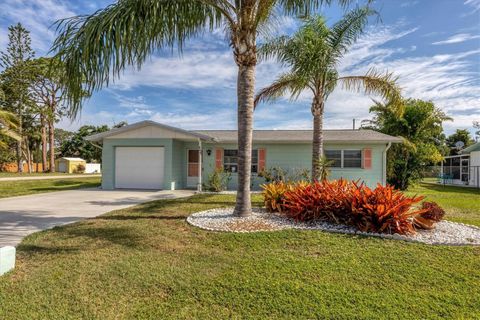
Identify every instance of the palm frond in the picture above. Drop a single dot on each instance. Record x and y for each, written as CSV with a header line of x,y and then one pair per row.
x,y
346,31
274,48
373,82
97,48
307,7
289,82
8,124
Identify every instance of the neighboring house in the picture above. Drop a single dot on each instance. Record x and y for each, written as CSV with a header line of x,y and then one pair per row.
x,y
70,165
150,155
462,169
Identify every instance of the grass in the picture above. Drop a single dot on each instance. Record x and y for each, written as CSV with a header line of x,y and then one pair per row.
x,y
146,262
33,174
24,187
39,174
461,204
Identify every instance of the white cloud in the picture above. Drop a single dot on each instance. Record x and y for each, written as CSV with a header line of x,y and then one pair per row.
x,y
458,38
37,16
474,3
225,119
200,69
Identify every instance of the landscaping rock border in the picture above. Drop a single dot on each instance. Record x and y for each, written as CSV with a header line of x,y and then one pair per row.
x,y
222,219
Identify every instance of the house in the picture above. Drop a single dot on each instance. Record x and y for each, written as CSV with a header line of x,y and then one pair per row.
x,y
150,155
70,165
462,169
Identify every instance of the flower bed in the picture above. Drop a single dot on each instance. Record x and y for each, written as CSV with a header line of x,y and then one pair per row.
x,y
379,210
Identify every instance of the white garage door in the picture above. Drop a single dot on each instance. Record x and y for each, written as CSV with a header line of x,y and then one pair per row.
x,y
139,167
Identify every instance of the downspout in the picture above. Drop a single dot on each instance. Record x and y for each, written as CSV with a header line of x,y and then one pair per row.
x,y
200,155
384,164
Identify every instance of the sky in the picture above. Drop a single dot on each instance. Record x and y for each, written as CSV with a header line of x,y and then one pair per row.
x,y
433,46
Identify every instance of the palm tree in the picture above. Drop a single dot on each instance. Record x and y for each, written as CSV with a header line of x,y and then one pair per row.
x,y
313,55
8,124
97,47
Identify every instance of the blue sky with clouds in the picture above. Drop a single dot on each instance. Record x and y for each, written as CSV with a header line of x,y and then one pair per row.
x,y
432,45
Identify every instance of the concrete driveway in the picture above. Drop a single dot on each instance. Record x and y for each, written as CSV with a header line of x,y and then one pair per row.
x,y
21,216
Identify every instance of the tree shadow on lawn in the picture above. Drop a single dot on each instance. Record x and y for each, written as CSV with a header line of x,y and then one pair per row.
x,y
452,189
179,208
66,184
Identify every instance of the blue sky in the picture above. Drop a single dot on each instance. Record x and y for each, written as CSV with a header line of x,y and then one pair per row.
x,y
432,45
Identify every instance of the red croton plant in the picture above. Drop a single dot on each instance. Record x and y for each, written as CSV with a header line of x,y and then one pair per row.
x,y
383,209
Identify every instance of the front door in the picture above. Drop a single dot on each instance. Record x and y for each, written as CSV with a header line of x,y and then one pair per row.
x,y
193,158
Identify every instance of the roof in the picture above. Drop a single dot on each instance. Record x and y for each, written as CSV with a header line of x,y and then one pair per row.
x,y
141,124
279,136
360,135
473,147
72,159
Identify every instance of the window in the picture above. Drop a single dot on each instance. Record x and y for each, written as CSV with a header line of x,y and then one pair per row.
x,y
352,158
335,156
230,160
344,158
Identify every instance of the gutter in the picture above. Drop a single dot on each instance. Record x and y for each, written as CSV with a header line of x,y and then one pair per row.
x,y
384,164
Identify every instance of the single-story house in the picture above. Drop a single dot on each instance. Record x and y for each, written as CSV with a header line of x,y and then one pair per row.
x,y
70,165
151,155
464,168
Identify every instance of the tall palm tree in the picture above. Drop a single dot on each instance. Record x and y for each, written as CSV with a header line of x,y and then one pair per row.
x,y
8,124
313,55
97,47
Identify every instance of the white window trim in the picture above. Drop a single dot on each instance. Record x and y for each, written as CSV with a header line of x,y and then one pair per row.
x,y
342,158
230,163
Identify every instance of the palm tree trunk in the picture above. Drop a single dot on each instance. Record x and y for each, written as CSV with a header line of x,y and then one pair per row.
x,y
317,145
20,147
44,143
51,128
245,93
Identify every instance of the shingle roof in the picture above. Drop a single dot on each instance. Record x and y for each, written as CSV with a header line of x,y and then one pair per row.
x,y
361,135
278,136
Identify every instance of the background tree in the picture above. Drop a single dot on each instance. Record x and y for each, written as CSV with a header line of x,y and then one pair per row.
x,y
49,96
313,55
16,79
419,123
476,125
61,136
78,146
462,135
126,33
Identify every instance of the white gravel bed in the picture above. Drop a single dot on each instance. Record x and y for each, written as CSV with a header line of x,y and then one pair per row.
x,y
225,192
222,219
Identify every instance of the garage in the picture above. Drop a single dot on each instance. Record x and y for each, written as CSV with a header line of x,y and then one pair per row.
x,y
139,167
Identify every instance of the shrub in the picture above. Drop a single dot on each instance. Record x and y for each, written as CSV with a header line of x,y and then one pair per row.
x,y
382,209
80,168
273,194
218,180
434,211
318,200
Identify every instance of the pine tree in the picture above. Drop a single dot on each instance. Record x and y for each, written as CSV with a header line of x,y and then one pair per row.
x,y
16,79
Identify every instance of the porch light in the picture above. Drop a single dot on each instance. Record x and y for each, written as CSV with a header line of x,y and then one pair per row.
x,y
209,152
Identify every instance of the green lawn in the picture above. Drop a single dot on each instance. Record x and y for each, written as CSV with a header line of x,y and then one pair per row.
x,y
33,174
23,187
460,203
146,262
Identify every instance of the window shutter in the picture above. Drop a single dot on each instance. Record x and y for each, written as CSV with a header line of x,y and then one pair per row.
x,y
367,158
261,159
219,158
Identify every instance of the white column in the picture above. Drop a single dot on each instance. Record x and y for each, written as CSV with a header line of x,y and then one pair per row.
x,y
200,155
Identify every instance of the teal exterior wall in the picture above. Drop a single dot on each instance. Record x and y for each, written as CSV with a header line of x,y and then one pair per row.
x,y
293,157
